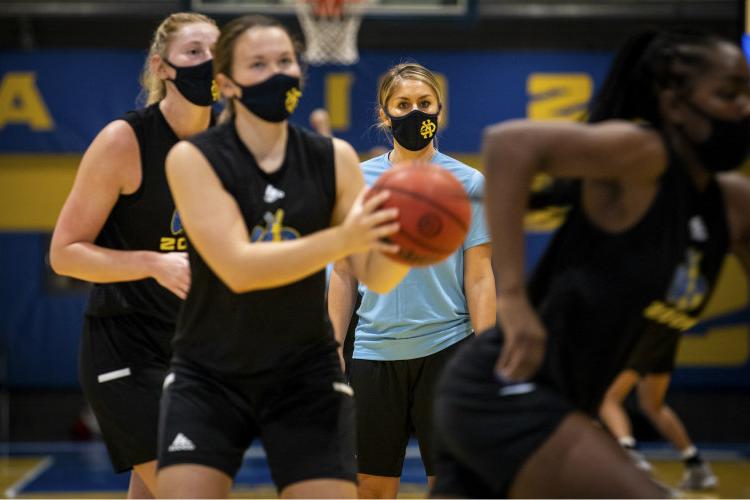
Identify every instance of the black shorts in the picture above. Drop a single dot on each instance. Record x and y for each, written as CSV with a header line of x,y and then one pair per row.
x,y
393,398
303,413
122,365
655,352
486,430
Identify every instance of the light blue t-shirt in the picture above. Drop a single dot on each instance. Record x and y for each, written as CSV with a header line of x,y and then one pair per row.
x,y
427,311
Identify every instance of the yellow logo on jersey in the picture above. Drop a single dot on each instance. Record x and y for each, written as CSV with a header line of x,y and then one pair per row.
x,y
274,230
686,293
176,241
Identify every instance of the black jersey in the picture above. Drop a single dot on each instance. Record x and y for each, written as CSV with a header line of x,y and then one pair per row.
x,y
144,220
597,292
251,332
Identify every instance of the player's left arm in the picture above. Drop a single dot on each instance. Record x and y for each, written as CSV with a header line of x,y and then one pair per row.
x,y
736,189
479,286
479,282
379,273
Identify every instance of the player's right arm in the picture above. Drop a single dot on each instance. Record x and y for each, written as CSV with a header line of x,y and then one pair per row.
x,y
218,231
513,152
109,167
342,296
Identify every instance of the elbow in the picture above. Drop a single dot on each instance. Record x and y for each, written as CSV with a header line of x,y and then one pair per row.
x,y
236,285
57,261
379,286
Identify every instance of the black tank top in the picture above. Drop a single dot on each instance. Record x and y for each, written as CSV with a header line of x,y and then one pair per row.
x,y
597,292
247,333
144,220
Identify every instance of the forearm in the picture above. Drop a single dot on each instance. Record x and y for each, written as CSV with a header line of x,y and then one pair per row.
x,y
89,262
379,273
263,265
510,168
480,298
342,295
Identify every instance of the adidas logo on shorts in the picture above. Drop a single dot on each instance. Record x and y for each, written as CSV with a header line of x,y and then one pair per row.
x,y
181,443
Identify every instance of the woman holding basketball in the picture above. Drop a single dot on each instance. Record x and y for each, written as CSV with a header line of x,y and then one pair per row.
x,y
266,205
403,339
119,229
641,248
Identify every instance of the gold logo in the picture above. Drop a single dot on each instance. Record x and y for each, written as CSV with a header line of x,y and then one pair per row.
x,y
427,130
214,91
292,98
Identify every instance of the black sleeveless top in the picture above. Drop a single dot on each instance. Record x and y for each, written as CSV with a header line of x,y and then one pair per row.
x,y
247,333
144,220
597,292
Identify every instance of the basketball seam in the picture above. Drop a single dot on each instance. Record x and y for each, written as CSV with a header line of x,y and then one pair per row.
x,y
425,199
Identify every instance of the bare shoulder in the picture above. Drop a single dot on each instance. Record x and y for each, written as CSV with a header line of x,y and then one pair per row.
x,y
185,159
344,151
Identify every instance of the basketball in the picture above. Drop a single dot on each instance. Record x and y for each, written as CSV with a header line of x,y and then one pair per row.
x,y
434,211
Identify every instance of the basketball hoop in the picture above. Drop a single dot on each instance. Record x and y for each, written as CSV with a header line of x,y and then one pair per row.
x,y
330,28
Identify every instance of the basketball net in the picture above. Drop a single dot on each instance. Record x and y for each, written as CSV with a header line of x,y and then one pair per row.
x,y
330,28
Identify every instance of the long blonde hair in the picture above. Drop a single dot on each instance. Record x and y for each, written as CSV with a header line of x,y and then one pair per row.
x,y
153,89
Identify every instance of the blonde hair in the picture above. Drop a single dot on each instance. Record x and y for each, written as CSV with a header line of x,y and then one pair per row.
x,y
396,75
153,89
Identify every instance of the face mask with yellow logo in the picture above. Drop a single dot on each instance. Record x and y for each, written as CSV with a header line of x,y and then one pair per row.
x,y
415,130
272,100
196,83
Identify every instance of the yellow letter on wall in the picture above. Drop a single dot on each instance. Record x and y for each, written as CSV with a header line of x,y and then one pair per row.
x,y
337,99
558,96
21,102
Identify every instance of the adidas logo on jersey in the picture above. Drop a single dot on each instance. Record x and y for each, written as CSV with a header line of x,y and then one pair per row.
x,y
181,443
272,194
698,231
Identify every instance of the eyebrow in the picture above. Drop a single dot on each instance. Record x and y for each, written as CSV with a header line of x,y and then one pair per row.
x,y
420,97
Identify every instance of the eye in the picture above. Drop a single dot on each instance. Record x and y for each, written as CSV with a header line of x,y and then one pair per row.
x,y
285,61
258,65
403,105
425,104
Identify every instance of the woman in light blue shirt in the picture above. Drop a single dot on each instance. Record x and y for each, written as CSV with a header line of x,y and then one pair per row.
x,y
403,338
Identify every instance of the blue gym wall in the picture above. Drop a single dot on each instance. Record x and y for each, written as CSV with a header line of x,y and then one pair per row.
x,y
52,103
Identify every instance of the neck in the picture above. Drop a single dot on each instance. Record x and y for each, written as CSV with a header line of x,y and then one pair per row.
x,y
400,153
260,137
695,169
184,117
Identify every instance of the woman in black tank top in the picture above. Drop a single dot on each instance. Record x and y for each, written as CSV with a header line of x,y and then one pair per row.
x,y
641,247
118,229
266,205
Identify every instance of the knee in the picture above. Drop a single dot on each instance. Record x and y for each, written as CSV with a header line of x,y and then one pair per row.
x,y
651,408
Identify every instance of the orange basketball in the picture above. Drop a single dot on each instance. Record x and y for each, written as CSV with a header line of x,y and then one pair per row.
x,y
434,211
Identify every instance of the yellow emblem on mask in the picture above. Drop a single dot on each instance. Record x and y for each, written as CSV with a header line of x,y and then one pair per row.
x,y
214,91
427,129
292,98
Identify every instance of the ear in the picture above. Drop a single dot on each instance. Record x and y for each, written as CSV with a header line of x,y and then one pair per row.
x,y
383,117
227,87
672,107
160,69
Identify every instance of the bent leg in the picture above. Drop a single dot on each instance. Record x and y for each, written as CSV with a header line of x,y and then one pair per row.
x,y
652,391
580,461
611,410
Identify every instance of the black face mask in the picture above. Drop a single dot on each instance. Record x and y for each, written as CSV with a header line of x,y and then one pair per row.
x,y
727,146
274,99
196,83
415,130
